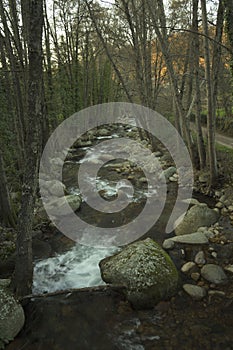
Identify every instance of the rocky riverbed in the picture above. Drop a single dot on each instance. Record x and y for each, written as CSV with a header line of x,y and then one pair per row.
x,y
198,315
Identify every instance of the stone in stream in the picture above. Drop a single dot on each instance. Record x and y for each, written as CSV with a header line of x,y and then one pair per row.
x,y
191,238
229,268
214,274
146,271
187,266
196,216
200,258
11,315
58,206
55,187
196,292
169,172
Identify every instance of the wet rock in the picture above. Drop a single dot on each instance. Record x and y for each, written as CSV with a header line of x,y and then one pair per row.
x,y
214,274
196,292
146,271
196,216
11,316
200,258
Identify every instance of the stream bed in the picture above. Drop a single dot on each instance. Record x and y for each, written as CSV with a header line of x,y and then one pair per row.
x,y
72,308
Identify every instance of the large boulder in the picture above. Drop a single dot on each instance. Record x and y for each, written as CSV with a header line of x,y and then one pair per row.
x,y
11,315
146,271
198,216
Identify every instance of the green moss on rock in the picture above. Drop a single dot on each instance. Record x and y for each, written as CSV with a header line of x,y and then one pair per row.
x,y
11,315
146,271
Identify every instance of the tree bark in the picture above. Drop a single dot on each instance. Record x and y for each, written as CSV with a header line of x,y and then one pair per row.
x,y
23,275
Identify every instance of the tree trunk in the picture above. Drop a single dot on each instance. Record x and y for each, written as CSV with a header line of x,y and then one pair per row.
x,y
196,55
159,22
228,4
7,214
210,103
24,269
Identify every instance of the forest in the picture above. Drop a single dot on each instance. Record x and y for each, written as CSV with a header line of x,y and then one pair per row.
x,y
59,58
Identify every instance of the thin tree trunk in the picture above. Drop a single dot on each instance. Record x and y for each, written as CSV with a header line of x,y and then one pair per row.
x,y
159,23
210,103
196,55
7,214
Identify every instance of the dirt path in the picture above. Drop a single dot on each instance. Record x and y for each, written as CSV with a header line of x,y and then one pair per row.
x,y
220,138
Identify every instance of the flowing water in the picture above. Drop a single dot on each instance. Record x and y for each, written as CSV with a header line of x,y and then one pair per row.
x,y
77,268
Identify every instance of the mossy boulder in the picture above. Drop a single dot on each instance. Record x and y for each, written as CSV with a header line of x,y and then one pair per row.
x,y
146,271
11,315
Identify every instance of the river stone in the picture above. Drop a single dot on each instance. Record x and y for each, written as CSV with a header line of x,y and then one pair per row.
x,y
214,274
196,216
187,266
146,271
167,173
196,292
57,207
11,314
229,268
103,132
200,258
191,238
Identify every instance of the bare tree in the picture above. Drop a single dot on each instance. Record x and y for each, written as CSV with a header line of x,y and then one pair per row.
x,y
22,281
211,75
197,78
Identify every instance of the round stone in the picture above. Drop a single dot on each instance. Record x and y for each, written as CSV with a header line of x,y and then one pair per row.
x,y
214,274
196,292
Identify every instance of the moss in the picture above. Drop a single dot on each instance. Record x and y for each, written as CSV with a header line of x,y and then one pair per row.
x,y
146,271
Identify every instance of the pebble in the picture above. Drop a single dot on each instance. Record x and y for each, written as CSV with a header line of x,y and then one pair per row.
x,y
187,266
195,276
200,258
195,292
214,255
168,244
213,273
219,205
173,179
202,229
229,268
224,211
217,293
191,201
